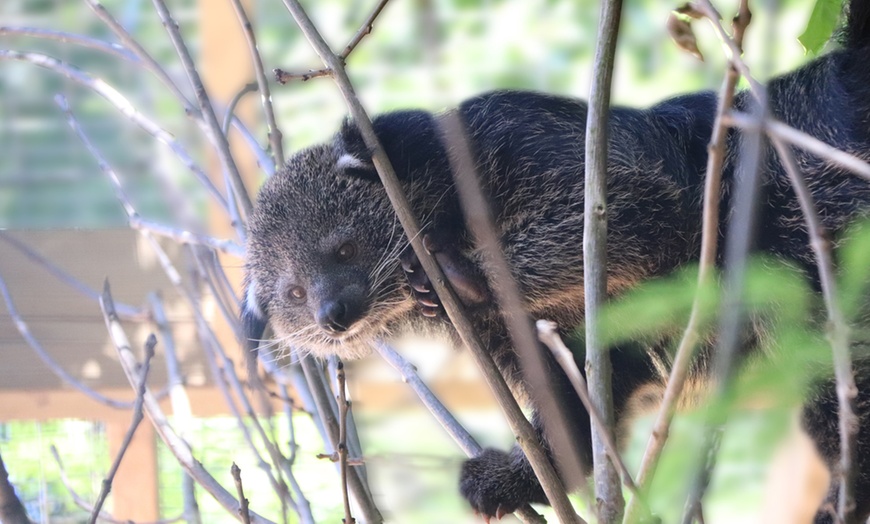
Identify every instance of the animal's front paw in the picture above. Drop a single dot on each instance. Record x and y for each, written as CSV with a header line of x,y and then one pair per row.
x,y
466,279
494,486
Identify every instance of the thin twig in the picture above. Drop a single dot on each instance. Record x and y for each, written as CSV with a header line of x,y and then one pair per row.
x,y
83,504
342,440
106,485
460,435
409,375
610,504
804,141
364,30
550,337
167,433
179,400
181,236
212,128
738,244
157,70
122,104
47,359
282,76
837,332
520,425
304,506
707,263
72,38
321,397
243,502
481,223
126,311
275,136
229,112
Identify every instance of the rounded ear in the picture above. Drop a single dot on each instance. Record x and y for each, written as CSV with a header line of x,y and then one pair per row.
x,y
410,139
354,158
254,319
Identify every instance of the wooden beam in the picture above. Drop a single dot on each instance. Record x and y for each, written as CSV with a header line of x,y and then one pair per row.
x,y
134,490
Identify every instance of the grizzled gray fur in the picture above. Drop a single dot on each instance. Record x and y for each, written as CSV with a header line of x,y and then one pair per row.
x,y
329,267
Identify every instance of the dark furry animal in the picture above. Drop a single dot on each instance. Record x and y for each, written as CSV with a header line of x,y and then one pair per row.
x,y
324,247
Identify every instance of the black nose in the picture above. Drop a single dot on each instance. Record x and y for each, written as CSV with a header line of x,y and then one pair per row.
x,y
333,317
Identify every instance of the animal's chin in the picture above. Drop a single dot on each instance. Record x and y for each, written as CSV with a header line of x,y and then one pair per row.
x,y
354,343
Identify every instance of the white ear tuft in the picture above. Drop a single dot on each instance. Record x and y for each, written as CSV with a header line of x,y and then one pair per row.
x,y
251,305
348,161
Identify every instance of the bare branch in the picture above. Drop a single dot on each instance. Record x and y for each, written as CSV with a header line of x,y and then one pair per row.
x,y
212,128
283,76
409,376
126,311
167,433
106,485
181,411
123,105
608,494
275,136
707,263
186,237
321,398
72,38
463,438
838,333
342,440
534,366
738,244
363,31
243,507
157,70
520,425
804,141
550,337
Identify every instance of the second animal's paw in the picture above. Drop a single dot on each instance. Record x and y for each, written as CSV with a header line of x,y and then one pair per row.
x,y
492,485
463,275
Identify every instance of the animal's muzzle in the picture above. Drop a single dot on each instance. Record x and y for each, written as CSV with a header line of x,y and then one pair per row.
x,y
336,316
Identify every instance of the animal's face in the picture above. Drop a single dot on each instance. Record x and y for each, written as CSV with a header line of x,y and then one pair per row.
x,y
322,257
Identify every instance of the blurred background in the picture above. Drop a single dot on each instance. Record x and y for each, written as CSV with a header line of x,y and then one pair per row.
x,y
422,53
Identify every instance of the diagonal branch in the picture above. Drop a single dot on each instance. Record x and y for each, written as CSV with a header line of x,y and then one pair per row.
x,y
106,485
176,445
212,128
275,135
283,76
526,435
838,332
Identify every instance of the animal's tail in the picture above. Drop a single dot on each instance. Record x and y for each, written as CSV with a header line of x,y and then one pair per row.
x,y
857,29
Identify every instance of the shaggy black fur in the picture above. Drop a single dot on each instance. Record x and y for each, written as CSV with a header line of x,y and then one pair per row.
x,y
327,262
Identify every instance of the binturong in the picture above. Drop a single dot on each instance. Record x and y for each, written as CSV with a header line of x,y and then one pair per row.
x,y
330,268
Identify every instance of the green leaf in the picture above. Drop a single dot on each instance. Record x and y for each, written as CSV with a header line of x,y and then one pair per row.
x,y
823,21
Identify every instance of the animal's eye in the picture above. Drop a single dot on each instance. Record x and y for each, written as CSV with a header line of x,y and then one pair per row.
x,y
346,251
297,292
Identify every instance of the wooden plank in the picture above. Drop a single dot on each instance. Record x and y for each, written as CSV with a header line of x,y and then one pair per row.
x,y
134,490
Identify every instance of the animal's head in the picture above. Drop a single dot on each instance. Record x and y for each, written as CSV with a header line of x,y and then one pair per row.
x,y
323,246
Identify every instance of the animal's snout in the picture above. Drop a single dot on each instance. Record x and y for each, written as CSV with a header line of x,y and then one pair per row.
x,y
336,316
